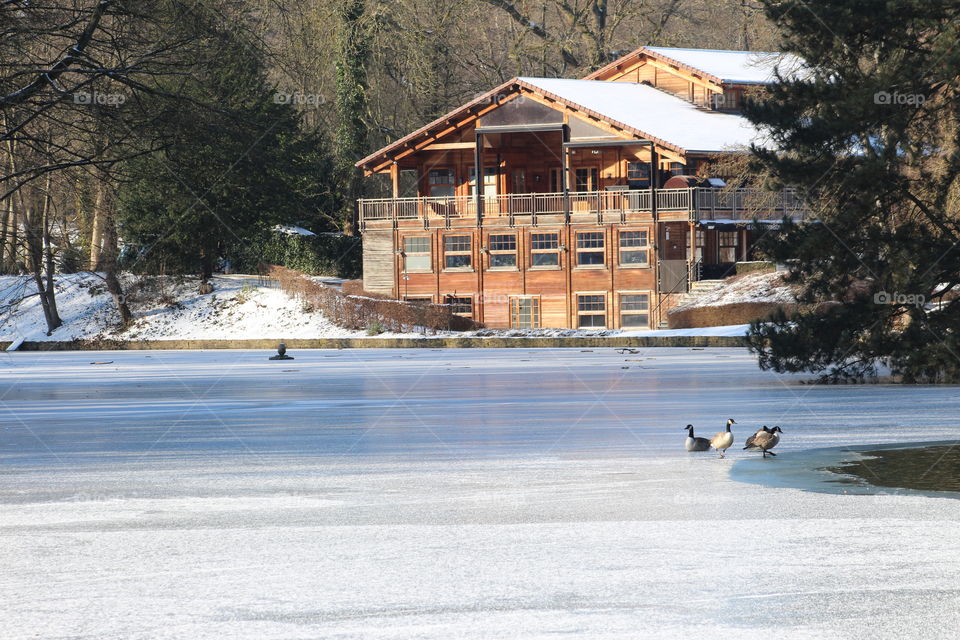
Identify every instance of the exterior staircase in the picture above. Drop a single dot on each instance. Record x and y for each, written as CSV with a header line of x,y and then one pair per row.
x,y
697,289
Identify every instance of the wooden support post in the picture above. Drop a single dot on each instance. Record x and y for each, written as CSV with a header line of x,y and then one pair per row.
x,y
565,176
478,176
395,180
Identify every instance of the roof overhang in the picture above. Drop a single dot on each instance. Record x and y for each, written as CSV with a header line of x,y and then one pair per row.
x,y
468,114
639,52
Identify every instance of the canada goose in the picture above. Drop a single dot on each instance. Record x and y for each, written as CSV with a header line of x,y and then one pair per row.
x,y
723,440
751,439
693,443
764,440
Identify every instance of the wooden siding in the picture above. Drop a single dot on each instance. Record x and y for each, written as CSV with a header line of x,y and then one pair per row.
x,y
378,261
491,288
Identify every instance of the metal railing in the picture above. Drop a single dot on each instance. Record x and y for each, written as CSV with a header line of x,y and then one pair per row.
x,y
701,203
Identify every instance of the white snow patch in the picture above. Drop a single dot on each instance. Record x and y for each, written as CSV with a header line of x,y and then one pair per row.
x,y
293,230
754,287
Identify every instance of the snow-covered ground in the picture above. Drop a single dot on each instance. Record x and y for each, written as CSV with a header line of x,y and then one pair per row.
x,y
454,494
240,307
751,287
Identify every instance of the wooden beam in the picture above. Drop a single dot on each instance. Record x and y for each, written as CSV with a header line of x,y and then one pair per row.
x,y
440,146
413,147
690,77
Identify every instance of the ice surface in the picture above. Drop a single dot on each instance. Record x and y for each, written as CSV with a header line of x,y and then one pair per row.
x,y
453,494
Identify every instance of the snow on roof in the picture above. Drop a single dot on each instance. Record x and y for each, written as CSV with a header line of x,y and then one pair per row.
x,y
655,113
746,67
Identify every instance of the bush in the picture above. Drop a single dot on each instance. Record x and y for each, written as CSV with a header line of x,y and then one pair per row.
x,y
363,311
326,254
754,267
725,314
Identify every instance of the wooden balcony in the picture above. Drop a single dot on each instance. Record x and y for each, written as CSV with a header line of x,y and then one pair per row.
x,y
531,209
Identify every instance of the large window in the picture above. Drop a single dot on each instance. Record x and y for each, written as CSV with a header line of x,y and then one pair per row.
x,y
701,240
416,250
489,181
728,246
519,179
638,175
592,311
525,313
503,250
442,183
635,310
634,249
457,252
460,305
585,179
590,248
544,250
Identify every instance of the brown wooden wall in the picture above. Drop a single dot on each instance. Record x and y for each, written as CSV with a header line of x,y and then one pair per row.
x,y
557,287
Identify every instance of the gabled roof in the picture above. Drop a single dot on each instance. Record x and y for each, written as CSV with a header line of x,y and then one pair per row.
x,y
641,111
652,113
719,66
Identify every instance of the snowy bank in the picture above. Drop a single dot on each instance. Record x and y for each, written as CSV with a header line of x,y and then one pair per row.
x,y
239,308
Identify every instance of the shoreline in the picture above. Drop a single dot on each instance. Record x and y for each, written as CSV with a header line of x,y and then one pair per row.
x,y
439,342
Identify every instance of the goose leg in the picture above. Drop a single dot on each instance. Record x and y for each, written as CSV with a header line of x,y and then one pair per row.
x,y
771,453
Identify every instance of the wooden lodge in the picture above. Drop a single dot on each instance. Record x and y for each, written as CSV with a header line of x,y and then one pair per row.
x,y
597,205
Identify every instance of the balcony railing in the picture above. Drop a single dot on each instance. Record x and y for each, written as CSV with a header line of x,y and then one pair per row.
x,y
700,203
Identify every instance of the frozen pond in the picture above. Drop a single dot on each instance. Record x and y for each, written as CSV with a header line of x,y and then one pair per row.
x,y
455,494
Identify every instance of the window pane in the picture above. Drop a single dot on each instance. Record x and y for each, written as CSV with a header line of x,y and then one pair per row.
x,y
638,171
589,257
728,254
441,191
456,243
633,238
503,242
635,320
545,260
596,321
728,238
458,260
525,313
544,241
503,259
420,300
633,257
460,305
637,302
416,245
441,176
591,303
590,240
418,263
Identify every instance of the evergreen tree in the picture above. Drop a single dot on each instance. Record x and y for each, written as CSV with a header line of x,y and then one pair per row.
x,y
351,138
870,134
233,163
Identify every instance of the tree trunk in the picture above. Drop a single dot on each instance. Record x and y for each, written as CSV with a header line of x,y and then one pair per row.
x,y
96,228
109,252
48,256
34,241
